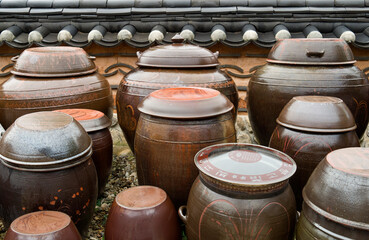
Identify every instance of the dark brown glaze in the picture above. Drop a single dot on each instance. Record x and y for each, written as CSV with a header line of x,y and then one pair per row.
x,y
20,95
197,68
53,62
281,81
40,225
308,149
310,127
143,212
336,197
97,126
165,145
45,164
242,192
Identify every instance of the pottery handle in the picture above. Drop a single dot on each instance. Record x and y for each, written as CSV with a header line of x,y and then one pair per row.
x,y
138,53
182,216
93,58
216,54
14,59
2,131
317,54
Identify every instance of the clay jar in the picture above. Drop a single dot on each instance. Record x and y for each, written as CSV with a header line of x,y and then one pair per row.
x,y
45,164
175,123
97,126
168,66
297,67
336,198
50,225
141,213
308,128
50,78
242,192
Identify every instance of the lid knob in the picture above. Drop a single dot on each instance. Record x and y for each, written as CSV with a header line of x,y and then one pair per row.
x,y
177,39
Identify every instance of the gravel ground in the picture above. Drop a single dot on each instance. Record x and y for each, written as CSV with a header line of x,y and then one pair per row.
x,y
123,175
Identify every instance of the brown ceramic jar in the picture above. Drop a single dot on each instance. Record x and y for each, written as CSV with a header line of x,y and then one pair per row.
x,y
97,126
50,78
297,67
43,225
140,213
175,123
336,198
45,164
308,128
242,192
168,66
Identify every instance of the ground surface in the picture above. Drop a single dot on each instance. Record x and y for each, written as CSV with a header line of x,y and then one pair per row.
x,y
123,175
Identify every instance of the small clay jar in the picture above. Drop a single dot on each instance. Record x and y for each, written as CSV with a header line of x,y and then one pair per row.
x,y
140,213
97,126
43,225
242,192
308,128
45,164
175,123
336,198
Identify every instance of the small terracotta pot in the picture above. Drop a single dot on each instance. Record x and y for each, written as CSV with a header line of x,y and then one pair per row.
x,y
336,198
43,225
97,126
308,128
242,192
176,123
140,213
45,164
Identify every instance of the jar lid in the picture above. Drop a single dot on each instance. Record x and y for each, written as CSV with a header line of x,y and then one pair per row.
x,y
44,140
325,51
317,114
40,223
354,161
245,164
185,103
91,120
141,197
177,55
53,62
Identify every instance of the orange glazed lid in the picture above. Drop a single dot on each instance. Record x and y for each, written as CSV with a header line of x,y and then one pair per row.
x,y
141,197
185,103
91,120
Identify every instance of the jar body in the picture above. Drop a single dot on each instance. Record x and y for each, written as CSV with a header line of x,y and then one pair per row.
x,y
23,95
165,150
71,190
307,149
213,213
102,155
280,83
156,223
140,82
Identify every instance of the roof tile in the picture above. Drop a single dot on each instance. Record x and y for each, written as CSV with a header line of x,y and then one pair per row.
x,y
176,3
66,3
120,3
40,3
205,3
148,3
92,3
13,3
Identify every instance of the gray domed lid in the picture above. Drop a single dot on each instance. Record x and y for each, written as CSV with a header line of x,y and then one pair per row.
x,y
317,114
325,51
245,164
44,140
177,55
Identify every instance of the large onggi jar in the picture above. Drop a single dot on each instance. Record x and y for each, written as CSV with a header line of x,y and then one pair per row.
x,y
242,192
50,78
175,123
297,67
169,66
45,164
